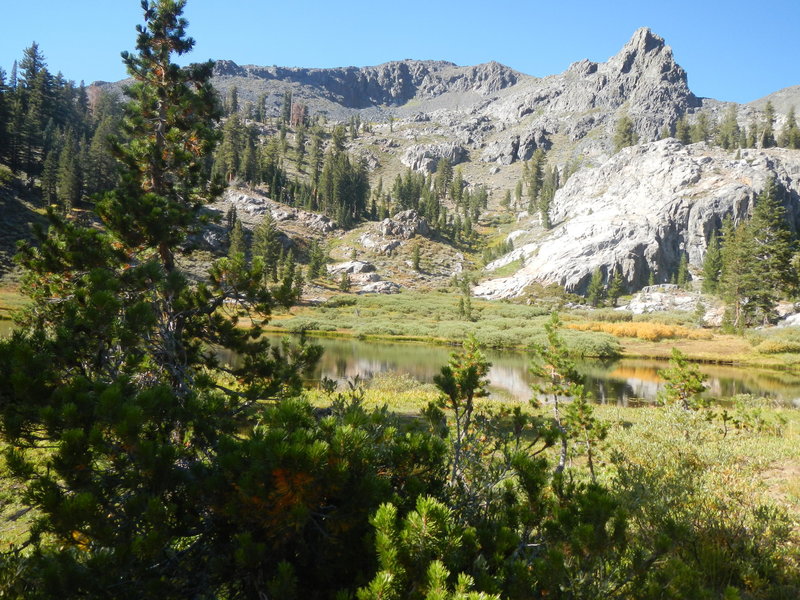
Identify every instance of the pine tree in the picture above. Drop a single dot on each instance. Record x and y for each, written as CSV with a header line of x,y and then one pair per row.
x,y
701,130
767,136
232,102
267,247
121,396
773,249
68,183
286,107
738,275
316,263
344,282
301,146
712,265
624,133
596,291
682,277
683,131
684,382
729,132
790,134
557,378
237,246
415,258
616,288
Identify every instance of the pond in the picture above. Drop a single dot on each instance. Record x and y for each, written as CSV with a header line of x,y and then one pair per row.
x,y
614,382
626,381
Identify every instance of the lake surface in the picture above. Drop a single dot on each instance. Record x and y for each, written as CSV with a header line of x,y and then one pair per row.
x,y
613,382
626,381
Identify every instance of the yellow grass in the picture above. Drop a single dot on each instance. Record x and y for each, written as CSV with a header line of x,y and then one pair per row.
x,y
652,332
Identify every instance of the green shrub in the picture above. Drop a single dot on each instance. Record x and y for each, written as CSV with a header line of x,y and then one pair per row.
x,y
341,300
301,324
778,347
6,176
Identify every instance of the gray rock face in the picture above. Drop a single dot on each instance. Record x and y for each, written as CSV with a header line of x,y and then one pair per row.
x,y
391,84
380,287
664,297
404,225
642,211
642,80
256,204
425,157
351,267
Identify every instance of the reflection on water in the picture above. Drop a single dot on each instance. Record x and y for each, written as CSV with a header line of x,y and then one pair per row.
x,y
611,382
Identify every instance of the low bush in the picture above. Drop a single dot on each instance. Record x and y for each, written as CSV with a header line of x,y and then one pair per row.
x,y
6,176
301,324
777,346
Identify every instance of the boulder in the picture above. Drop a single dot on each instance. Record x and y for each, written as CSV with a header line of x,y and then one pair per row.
x,y
351,267
404,225
380,287
661,298
425,157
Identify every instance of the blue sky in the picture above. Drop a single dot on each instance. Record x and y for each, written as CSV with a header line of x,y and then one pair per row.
x,y
732,50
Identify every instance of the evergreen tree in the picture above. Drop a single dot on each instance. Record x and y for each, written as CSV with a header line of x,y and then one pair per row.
x,y
443,177
712,265
68,186
624,133
301,146
232,102
228,158
773,249
682,277
267,247
683,131
315,157
616,288
701,130
729,132
126,410
237,246
286,107
316,263
557,378
344,282
767,135
596,291
684,382
738,274
415,258
790,133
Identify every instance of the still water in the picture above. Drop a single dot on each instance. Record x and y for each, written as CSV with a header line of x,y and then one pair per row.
x,y
613,382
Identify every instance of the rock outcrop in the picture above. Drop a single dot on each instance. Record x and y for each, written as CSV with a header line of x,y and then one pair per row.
x,y
351,267
425,157
643,210
642,80
404,225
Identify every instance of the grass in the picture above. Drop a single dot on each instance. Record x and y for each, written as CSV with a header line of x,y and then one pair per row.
x,y
653,332
10,300
435,318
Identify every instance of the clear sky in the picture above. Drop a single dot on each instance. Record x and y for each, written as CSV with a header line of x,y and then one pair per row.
x,y
732,50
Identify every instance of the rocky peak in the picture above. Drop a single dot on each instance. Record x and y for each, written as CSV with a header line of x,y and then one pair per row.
x,y
643,47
